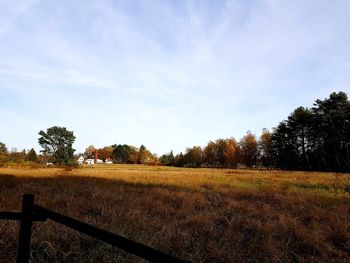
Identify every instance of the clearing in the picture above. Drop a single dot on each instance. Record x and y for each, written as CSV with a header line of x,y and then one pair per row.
x,y
200,215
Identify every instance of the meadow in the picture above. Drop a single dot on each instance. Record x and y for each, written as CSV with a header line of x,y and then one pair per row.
x,y
200,215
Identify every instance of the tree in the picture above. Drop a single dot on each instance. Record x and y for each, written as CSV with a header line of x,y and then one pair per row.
x,y
221,153
316,138
193,157
249,149
284,150
231,153
145,156
265,148
3,153
142,154
332,131
121,153
210,154
58,142
105,152
179,160
133,154
167,159
220,148
32,156
90,151
3,148
300,125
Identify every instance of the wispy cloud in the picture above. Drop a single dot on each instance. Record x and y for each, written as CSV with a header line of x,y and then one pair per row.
x,y
11,11
167,74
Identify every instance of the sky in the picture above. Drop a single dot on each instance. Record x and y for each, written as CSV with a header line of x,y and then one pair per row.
x,y
166,74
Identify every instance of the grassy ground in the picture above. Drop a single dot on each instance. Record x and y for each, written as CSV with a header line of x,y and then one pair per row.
x,y
201,215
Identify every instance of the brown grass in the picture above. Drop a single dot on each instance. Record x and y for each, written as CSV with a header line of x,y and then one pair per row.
x,y
202,215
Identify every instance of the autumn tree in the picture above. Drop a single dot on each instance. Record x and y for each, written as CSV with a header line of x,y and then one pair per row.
x,y
90,152
221,153
265,149
209,154
145,156
231,153
58,142
248,149
142,154
133,154
105,153
220,148
15,156
193,157
179,160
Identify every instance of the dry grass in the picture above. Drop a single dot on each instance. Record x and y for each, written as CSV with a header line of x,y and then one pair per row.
x,y
202,215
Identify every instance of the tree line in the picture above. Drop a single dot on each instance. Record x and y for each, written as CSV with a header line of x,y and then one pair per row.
x,y
122,153
57,143
316,138
224,153
14,157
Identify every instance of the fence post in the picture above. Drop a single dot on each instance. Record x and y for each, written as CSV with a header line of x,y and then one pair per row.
x,y
25,229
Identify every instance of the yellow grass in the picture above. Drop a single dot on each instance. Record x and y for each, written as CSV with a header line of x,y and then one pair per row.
x,y
202,215
187,177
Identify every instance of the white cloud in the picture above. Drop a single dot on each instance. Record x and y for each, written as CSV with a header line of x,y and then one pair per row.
x,y
169,74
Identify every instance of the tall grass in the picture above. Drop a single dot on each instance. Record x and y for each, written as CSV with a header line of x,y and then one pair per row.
x,y
202,215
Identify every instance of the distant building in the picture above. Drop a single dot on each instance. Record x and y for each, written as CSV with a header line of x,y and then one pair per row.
x,y
108,161
89,161
80,160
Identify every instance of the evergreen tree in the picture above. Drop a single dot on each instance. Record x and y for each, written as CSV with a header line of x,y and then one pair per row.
x,y
58,142
32,156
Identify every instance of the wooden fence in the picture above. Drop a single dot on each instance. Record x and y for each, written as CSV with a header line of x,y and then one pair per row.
x,y
33,213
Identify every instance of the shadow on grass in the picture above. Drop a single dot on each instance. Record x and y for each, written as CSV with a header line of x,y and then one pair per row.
x,y
8,181
203,224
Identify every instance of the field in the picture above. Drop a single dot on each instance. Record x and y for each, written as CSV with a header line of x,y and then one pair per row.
x,y
200,215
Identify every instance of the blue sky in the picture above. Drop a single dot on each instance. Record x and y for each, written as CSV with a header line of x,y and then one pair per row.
x,y
166,74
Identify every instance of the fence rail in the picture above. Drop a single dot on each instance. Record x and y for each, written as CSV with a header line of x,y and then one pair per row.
x,y
31,213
